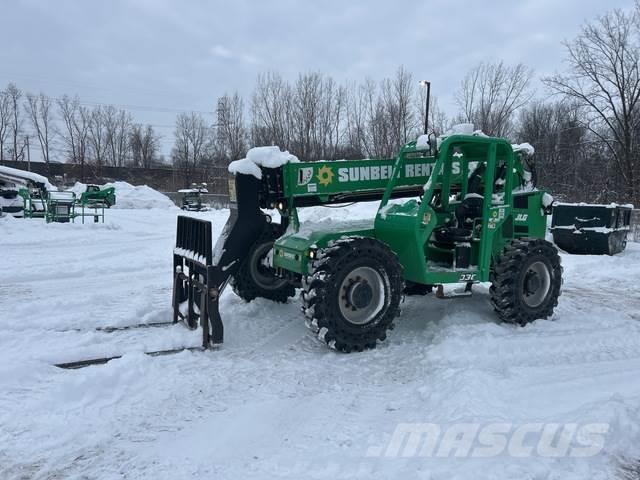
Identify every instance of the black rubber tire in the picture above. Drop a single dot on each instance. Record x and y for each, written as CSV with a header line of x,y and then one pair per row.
x,y
245,284
411,288
508,277
321,293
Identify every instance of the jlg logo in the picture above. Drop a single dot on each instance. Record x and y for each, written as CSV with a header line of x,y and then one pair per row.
x,y
522,217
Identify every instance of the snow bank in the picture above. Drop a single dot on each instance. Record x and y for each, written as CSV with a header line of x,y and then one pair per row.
x,y
140,196
78,188
130,196
270,157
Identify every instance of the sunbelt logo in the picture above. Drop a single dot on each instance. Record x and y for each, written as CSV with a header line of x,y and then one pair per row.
x,y
326,174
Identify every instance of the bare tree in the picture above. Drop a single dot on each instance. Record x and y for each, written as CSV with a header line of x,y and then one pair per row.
x,y
231,132
191,148
397,96
604,78
150,146
491,93
41,118
98,136
377,133
330,127
143,145
118,128
316,116
356,120
76,120
271,105
5,120
14,95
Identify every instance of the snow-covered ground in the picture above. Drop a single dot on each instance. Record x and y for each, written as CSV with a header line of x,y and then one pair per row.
x,y
273,402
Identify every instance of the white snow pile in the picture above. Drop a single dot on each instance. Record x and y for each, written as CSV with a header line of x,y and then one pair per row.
x,y
23,174
78,188
270,157
131,196
139,196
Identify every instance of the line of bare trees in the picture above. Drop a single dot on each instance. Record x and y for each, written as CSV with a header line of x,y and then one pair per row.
x,y
313,117
96,136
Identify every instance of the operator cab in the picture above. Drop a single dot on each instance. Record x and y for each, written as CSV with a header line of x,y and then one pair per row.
x,y
454,243
467,210
464,213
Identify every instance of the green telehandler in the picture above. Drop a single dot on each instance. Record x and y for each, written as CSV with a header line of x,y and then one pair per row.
x,y
457,210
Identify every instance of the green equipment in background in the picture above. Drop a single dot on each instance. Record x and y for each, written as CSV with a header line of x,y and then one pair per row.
x,y
60,207
94,195
23,193
34,202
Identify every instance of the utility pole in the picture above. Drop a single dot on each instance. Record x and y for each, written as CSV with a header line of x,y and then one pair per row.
x,y
427,85
28,155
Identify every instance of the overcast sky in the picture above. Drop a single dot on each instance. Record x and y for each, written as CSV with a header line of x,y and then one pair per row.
x,y
163,56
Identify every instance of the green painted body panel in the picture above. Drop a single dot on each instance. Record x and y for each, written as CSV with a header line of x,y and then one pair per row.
x,y
103,195
292,249
407,226
333,177
529,221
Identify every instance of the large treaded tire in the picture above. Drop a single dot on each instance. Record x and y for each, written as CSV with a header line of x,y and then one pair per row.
x,y
509,280
324,290
253,281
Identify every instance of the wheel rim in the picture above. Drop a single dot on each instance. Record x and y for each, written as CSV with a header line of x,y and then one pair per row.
x,y
536,284
361,295
263,275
